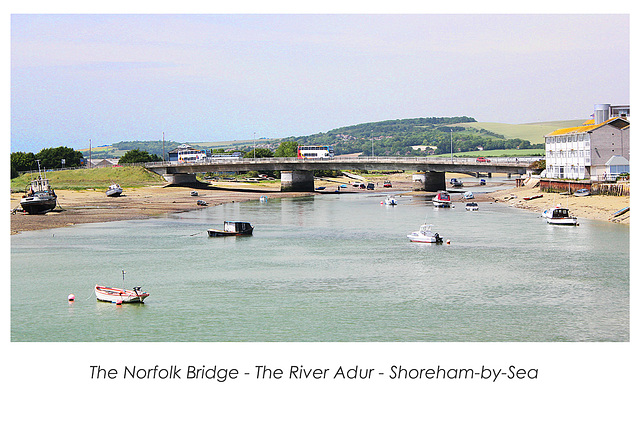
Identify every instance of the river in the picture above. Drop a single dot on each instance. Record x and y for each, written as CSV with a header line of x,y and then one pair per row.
x,y
333,267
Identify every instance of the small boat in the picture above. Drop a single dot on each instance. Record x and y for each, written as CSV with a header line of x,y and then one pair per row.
x,y
264,199
620,212
559,216
232,228
425,235
343,186
582,192
389,201
194,193
442,200
320,188
387,184
483,182
468,195
118,296
40,197
473,206
114,190
536,196
456,182
201,203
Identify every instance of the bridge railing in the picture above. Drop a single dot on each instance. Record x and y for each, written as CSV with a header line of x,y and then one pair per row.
x,y
522,161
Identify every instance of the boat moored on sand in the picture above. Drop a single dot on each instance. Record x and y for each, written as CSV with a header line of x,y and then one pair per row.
x,y
40,197
114,190
472,206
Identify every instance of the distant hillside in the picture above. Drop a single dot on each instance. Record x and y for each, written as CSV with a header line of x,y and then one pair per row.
x,y
532,132
405,136
401,137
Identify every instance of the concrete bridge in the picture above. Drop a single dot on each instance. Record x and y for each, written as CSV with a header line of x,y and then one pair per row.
x,y
297,174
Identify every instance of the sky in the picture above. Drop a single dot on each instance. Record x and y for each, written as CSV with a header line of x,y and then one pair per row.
x,y
201,78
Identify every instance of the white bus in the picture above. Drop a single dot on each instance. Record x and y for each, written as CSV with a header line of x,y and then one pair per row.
x,y
315,151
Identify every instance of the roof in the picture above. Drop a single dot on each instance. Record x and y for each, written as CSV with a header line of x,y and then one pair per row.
x,y
617,161
589,126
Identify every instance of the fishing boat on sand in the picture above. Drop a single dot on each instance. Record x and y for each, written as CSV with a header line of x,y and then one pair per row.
x,y
472,206
114,190
40,197
119,296
425,235
232,228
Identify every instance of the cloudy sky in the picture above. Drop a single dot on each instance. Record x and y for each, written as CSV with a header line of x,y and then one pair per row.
x,y
112,78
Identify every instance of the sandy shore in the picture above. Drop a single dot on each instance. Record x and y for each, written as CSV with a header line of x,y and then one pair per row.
x,y
590,207
89,206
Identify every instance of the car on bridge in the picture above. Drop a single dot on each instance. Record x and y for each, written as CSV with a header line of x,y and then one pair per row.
x,y
483,159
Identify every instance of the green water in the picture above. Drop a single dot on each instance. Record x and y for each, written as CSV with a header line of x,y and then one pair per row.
x,y
326,268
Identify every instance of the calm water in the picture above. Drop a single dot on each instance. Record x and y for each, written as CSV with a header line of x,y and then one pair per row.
x,y
327,268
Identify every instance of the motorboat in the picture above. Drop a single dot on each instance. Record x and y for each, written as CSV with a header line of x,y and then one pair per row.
x,y
483,182
455,182
39,197
389,201
201,203
582,192
442,200
232,228
194,193
472,206
119,296
114,190
559,216
425,235
468,195
387,184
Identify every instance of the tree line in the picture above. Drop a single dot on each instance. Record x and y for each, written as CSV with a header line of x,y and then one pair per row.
x,y
49,158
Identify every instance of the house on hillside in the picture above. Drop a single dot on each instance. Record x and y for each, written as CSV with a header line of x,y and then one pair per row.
x,y
597,150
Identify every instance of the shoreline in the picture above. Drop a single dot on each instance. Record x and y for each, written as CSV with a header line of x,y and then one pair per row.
x,y
93,206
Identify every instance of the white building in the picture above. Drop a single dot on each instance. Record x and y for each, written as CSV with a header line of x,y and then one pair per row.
x,y
589,151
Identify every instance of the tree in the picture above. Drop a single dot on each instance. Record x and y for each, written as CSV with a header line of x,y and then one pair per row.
x,y
138,156
258,152
52,157
21,162
287,149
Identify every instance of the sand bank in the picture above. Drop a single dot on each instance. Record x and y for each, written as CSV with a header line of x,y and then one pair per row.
x,y
90,206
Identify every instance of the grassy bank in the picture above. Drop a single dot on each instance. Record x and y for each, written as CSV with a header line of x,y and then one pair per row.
x,y
99,178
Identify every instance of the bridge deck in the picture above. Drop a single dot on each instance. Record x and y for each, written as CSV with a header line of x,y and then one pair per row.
x,y
426,164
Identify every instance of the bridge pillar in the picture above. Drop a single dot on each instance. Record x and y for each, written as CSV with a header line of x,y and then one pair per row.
x,y
180,178
296,181
429,181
